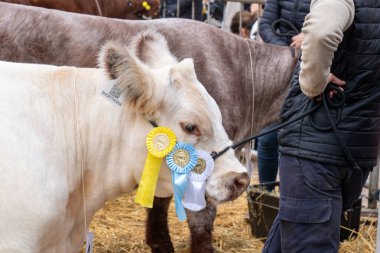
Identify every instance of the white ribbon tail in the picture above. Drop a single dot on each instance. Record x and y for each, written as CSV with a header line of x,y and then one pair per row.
x,y
194,199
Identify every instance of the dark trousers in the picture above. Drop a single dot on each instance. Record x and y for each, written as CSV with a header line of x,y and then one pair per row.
x,y
267,157
313,196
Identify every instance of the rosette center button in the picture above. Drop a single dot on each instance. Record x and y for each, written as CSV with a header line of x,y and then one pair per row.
x,y
200,167
181,157
161,142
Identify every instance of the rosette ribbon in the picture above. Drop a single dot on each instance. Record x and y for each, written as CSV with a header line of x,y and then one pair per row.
x,y
160,141
194,198
181,161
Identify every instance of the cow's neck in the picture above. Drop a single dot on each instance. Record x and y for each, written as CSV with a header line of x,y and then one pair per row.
x,y
112,141
272,74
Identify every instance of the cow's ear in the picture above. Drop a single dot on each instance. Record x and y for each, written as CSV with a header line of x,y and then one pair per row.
x,y
132,76
112,59
184,70
152,48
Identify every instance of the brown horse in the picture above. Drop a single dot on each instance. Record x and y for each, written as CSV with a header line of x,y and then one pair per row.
x,y
248,80
122,9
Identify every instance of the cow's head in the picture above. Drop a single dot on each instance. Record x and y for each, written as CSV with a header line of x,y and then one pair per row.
x,y
162,89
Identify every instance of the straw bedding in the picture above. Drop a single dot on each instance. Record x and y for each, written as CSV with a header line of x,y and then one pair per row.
x,y
119,227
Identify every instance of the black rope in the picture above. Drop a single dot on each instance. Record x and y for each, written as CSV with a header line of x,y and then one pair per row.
x,y
292,32
272,129
153,123
337,102
344,148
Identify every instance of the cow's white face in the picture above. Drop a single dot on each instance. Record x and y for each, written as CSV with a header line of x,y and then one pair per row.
x,y
167,91
196,119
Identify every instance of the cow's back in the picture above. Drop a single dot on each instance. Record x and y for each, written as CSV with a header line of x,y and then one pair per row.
x,y
121,9
222,60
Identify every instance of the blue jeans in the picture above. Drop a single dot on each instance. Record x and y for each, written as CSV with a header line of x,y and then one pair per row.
x,y
267,157
313,195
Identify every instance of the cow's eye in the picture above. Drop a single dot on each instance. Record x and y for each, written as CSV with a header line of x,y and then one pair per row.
x,y
190,128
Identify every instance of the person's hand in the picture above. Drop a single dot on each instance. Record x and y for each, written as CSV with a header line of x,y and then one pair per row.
x,y
335,80
297,41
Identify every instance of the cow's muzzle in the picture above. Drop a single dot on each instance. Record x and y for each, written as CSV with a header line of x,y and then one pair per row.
x,y
237,183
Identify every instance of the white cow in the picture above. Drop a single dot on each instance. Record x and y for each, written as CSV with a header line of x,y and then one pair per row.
x,y
55,125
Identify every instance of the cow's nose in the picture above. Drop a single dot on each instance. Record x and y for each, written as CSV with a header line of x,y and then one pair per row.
x,y
238,183
241,182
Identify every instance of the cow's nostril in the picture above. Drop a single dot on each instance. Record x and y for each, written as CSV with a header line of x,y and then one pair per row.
x,y
241,182
237,183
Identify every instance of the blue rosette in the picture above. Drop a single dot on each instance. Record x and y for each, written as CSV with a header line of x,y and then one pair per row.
x,y
181,161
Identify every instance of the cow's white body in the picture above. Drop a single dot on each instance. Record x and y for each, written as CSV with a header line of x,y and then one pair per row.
x,y
65,149
50,126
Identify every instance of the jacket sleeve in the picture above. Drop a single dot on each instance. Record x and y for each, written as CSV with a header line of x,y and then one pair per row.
x,y
323,31
270,14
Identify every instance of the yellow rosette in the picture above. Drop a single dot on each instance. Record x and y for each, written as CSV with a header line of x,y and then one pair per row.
x,y
160,142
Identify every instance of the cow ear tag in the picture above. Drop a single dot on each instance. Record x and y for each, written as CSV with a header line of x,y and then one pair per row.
x,y
181,161
194,198
113,92
160,141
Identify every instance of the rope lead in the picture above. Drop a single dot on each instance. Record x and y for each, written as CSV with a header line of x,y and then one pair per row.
x,y
326,103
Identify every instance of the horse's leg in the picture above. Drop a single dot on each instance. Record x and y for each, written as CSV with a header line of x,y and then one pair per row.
x,y
157,230
201,226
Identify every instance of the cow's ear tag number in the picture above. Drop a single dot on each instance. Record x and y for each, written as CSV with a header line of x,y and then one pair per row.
x,y
113,92
89,242
160,141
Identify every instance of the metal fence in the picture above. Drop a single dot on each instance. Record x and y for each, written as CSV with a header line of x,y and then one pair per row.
x,y
242,2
